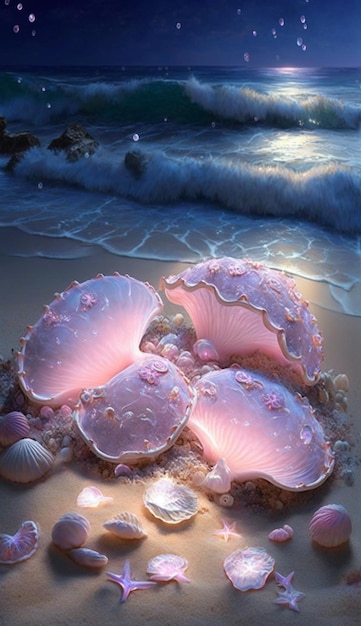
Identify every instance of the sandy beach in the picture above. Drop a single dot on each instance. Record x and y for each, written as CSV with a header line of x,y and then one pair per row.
x,y
50,589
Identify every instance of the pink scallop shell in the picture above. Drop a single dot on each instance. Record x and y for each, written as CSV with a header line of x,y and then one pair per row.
x,y
280,535
330,526
260,430
21,546
165,567
248,568
138,414
13,426
87,334
242,308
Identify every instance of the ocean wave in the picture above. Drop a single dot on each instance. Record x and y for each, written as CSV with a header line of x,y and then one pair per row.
x,y
329,195
150,100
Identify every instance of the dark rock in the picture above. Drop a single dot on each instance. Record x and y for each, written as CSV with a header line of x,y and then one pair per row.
x,y
76,142
18,142
136,162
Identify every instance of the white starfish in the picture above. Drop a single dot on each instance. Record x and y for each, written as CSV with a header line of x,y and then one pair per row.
x,y
228,530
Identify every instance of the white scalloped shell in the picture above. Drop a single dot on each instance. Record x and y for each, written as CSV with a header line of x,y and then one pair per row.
x,y
25,460
170,502
126,526
248,568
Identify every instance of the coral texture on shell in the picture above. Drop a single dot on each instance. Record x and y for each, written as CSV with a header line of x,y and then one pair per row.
x,y
260,430
24,461
126,526
241,308
330,526
85,336
170,502
248,568
21,546
13,426
138,413
70,531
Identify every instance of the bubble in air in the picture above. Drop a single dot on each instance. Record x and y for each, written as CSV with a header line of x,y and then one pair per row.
x,y
305,26
19,6
274,32
302,19
246,56
40,185
239,11
7,2
16,28
48,106
303,47
281,21
135,137
31,18
33,33
254,33
178,25
299,41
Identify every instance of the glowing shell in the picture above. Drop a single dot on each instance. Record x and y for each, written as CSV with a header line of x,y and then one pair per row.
x,y
25,461
91,497
248,568
70,531
88,558
21,546
126,526
242,308
138,414
170,502
85,336
260,430
330,526
13,426
165,567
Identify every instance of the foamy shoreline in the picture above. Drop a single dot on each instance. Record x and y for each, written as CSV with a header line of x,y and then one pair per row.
x,y
68,594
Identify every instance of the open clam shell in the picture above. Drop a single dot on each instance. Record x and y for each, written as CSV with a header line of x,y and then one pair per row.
x,y
170,502
21,546
87,334
138,414
241,308
260,429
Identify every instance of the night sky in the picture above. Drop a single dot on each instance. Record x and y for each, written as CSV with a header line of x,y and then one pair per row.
x,y
174,32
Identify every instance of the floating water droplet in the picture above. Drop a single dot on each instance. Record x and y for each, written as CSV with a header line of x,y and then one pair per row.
x,y
299,41
16,28
135,137
178,25
281,21
246,57
31,18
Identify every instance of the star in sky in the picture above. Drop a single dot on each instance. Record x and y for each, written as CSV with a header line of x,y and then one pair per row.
x,y
127,583
228,530
289,596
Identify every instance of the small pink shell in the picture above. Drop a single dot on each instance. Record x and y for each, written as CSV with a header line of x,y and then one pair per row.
x,y
91,497
241,308
21,546
13,426
248,568
330,526
280,535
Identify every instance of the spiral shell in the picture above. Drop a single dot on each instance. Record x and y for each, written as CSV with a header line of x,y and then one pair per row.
x,y
13,426
70,531
24,461
330,526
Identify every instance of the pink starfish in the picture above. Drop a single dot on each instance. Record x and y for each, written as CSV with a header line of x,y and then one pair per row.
x,y
126,583
228,530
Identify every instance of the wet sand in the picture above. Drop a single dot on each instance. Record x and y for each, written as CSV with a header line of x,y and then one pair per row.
x,y
50,589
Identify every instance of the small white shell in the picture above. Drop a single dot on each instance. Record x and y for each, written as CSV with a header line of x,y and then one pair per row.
x,y
225,500
330,526
170,502
24,461
13,426
341,382
70,531
126,526
21,546
248,568
166,567
91,497
88,558
219,478
279,535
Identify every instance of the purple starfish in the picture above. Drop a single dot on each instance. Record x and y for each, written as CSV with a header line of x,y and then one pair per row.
x,y
290,596
127,584
284,581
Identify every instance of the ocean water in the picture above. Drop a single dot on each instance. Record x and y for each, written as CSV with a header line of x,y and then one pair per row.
x,y
248,163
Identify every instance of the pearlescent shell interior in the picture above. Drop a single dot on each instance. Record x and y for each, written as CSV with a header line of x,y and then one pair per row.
x,y
126,526
70,531
170,502
242,308
248,568
330,526
21,546
85,336
91,497
139,413
166,567
13,426
260,429
25,461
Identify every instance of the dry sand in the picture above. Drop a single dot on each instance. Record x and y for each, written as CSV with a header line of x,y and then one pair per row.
x,y
48,589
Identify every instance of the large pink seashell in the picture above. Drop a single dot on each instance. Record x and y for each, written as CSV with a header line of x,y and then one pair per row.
x,y
85,336
21,546
13,426
330,526
260,430
243,308
138,414
248,568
